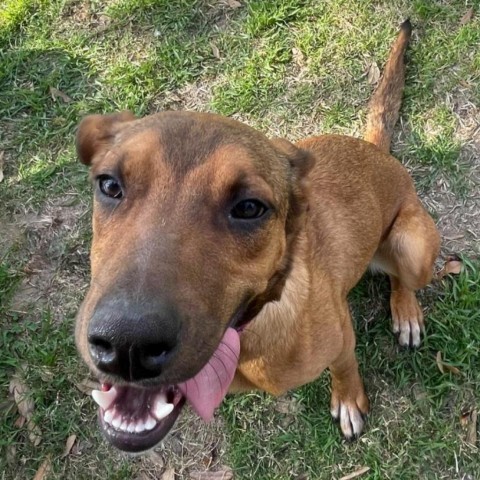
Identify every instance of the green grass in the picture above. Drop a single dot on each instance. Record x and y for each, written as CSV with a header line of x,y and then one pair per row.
x,y
287,67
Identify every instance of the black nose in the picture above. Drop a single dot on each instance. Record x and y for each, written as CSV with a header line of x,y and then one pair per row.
x,y
133,341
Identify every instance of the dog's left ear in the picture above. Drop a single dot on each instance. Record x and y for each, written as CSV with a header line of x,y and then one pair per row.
x,y
301,162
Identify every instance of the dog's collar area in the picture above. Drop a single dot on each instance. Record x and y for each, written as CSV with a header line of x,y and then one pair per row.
x,y
136,419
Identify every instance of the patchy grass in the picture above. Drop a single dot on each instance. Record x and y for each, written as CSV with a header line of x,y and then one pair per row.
x,y
292,68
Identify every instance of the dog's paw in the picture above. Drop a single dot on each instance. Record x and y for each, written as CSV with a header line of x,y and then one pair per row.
x,y
350,414
407,320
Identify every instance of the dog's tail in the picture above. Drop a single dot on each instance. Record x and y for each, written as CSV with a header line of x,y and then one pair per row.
x,y
385,104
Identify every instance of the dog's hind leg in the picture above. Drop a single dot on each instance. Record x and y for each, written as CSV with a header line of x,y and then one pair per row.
x,y
407,255
349,403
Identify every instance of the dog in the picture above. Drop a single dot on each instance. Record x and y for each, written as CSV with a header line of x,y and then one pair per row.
x,y
221,260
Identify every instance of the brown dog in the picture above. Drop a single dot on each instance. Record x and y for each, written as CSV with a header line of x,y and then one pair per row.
x,y
222,260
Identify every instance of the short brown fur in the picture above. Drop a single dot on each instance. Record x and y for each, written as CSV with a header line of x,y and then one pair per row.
x,y
340,205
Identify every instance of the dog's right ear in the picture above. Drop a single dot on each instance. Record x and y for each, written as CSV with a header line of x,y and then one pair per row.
x,y
97,131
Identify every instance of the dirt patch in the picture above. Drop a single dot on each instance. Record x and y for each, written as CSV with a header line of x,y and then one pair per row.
x,y
51,240
11,235
196,97
459,216
81,14
192,446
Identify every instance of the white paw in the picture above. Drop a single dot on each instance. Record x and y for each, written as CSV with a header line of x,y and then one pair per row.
x,y
407,322
351,419
409,331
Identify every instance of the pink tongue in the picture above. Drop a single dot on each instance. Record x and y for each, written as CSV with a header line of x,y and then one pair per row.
x,y
208,388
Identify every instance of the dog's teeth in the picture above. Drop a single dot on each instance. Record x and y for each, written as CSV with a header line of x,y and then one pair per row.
x,y
160,410
104,399
161,398
150,423
140,427
131,427
108,416
123,426
117,421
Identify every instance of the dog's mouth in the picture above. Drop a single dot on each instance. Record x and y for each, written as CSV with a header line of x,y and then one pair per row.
x,y
135,419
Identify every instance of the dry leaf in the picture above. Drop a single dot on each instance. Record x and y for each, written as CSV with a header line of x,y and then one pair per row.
x,y
25,407
215,50
225,474
453,266
56,93
69,445
2,153
356,474
373,73
467,17
471,436
445,367
43,469
286,405
438,359
34,433
452,369
157,458
233,4
465,417
86,386
20,422
298,56
20,393
168,474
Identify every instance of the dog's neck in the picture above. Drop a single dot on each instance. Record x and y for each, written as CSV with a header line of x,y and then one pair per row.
x,y
275,291
289,289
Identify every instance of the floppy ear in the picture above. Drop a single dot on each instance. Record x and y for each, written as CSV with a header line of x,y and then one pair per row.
x,y
97,131
301,162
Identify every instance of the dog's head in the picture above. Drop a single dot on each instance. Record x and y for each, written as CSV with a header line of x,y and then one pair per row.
x,y
194,218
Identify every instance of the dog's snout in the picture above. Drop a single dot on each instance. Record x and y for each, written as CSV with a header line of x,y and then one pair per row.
x,y
133,341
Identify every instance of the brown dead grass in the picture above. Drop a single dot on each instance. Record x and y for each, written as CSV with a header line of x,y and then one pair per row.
x,y
55,257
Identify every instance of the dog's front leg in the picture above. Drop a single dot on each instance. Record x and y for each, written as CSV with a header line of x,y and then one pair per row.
x,y
349,403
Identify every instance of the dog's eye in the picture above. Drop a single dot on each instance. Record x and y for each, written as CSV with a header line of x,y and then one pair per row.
x,y
248,210
110,187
